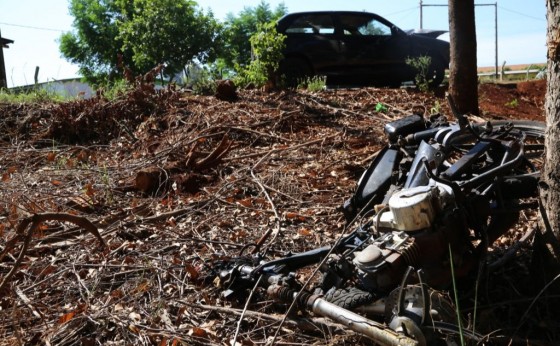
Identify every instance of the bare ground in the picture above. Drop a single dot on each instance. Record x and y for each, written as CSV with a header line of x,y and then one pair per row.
x,y
173,181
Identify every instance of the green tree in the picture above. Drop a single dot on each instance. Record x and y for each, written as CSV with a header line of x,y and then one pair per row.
x,y
267,46
238,30
140,33
94,44
169,32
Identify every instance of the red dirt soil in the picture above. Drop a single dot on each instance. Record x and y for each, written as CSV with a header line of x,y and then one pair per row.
x,y
524,100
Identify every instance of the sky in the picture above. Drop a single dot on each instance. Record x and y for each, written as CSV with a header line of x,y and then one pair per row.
x,y
36,25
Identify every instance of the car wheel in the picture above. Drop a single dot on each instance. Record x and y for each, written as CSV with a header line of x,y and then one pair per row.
x,y
436,73
293,70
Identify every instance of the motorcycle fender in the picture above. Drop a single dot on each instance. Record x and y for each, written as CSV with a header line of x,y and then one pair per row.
x,y
375,182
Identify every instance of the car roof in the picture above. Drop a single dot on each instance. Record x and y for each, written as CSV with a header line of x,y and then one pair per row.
x,y
297,14
328,11
287,18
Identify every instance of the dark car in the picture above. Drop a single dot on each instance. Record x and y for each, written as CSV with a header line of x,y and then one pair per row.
x,y
356,48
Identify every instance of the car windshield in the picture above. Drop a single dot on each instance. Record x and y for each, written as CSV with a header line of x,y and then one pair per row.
x,y
363,25
312,24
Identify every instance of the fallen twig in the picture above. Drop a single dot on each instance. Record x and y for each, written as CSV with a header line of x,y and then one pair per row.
x,y
75,219
21,227
35,220
314,324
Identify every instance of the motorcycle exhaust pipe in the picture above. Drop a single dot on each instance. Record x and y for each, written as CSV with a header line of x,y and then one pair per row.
x,y
375,331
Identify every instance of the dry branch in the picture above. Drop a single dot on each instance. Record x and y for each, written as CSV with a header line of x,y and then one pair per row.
x,y
314,325
214,157
36,220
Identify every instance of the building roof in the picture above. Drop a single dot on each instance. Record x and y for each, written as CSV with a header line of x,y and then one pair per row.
x,y
4,42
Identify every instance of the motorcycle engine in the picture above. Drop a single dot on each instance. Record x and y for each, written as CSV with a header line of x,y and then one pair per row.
x,y
416,228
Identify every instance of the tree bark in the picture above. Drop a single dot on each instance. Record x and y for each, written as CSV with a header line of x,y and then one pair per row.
x,y
547,242
463,79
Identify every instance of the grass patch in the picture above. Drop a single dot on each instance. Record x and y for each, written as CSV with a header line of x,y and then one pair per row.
x,y
33,95
315,83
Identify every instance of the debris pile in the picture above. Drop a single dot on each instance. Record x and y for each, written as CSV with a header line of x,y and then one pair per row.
x,y
172,181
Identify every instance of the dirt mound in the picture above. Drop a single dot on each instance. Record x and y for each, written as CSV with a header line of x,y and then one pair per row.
x,y
524,100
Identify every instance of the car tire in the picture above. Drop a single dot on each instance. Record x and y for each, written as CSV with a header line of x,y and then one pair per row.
x,y
437,72
293,70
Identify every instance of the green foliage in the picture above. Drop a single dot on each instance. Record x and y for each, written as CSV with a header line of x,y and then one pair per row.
x,y
238,30
380,108
115,89
255,74
204,83
33,95
139,34
267,45
512,104
220,70
315,83
436,109
456,295
168,32
421,65
95,44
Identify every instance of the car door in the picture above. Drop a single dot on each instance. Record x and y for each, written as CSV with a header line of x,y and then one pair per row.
x,y
372,48
312,35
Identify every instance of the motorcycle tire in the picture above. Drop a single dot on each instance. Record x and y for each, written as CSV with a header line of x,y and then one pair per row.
x,y
348,298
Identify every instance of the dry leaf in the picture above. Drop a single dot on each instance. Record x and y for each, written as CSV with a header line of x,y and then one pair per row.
x,y
48,270
246,202
118,293
291,215
66,317
89,190
305,232
133,328
199,332
71,163
193,272
144,286
82,156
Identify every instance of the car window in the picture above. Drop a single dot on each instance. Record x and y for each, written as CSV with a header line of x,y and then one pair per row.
x,y
363,25
312,24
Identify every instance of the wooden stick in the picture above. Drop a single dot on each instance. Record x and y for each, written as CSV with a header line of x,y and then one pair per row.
x,y
315,324
75,219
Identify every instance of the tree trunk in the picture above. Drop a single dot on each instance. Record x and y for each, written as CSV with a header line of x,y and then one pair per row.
x,y
463,79
547,244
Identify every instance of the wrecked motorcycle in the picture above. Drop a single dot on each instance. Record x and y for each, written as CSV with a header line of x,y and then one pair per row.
x,y
423,215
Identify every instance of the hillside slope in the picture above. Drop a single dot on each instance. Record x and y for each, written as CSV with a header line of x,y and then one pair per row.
x,y
173,180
